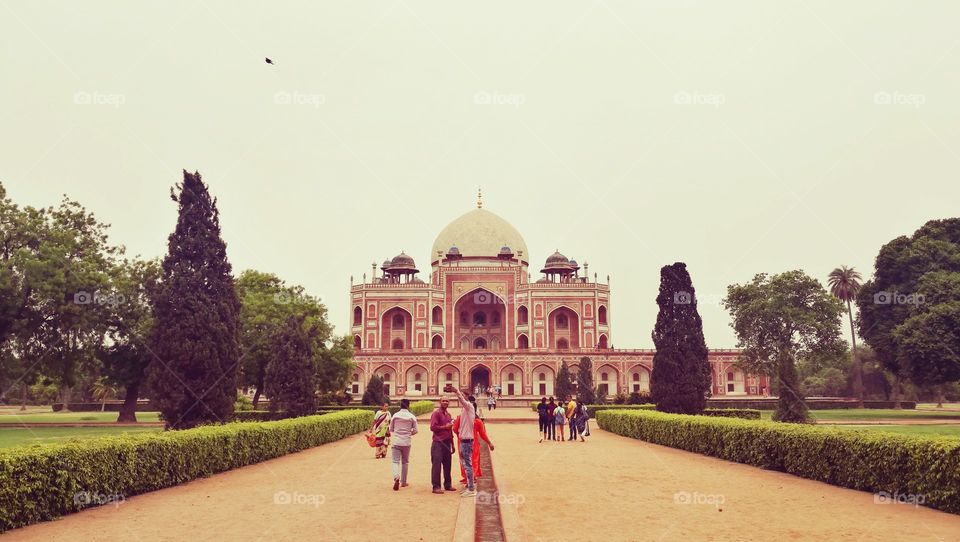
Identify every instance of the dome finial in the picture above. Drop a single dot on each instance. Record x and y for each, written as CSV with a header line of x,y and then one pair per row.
x,y
479,198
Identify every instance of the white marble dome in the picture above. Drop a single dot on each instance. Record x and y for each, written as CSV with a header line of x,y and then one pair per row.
x,y
479,233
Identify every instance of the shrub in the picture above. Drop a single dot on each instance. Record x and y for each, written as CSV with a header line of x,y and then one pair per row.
x,y
416,408
867,461
638,398
620,398
242,403
45,482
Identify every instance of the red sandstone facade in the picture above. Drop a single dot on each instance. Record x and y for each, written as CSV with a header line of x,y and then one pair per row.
x,y
480,320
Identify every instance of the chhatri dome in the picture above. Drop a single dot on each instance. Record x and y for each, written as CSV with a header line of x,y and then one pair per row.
x,y
479,233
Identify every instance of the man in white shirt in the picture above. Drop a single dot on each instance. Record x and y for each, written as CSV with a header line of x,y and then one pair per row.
x,y
403,426
467,416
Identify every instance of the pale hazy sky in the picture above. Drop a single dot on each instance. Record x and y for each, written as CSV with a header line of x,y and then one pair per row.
x,y
739,137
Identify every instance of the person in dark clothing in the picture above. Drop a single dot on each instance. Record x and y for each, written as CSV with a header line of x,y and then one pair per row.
x,y
542,417
441,451
551,419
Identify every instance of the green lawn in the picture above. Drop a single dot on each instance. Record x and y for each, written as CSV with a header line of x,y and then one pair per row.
x,y
875,414
70,417
12,437
925,430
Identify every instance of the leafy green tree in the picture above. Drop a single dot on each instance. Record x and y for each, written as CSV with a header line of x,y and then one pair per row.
x,y
779,319
195,336
125,354
844,283
335,365
680,382
910,309
267,303
374,394
586,391
291,371
564,385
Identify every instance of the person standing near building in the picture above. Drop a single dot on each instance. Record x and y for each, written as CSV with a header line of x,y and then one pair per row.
x,y
542,416
468,416
479,433
491,402
441,450
551,419
559,416
571,414
403,426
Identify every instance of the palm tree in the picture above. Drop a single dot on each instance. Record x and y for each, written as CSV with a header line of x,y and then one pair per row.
x,y
844,284
102,390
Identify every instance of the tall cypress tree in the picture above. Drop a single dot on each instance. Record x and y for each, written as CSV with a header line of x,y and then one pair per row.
x,y
291,373
195,337
586,392
564,385
680,381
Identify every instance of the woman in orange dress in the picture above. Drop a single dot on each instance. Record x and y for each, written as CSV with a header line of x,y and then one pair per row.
x,y
479,433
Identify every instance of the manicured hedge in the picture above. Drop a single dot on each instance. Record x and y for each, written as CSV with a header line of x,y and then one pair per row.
x,y
416,407
745,413
109,406
770,403
926,468
40,483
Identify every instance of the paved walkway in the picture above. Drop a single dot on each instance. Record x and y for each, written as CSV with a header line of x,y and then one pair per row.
x,y
615,488
608,489
335,492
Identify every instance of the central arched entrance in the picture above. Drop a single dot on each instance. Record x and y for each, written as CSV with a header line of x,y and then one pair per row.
x,y
479,376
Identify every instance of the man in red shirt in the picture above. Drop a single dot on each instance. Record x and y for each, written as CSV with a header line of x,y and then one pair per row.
x,y
441,451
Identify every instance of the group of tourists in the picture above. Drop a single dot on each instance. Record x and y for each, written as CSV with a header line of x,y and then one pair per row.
x,y
553,415
398,429
493,391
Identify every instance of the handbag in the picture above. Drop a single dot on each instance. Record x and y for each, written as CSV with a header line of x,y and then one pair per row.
x,y
371,440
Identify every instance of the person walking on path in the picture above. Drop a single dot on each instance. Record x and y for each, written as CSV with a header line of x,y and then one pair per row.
x,y
479,433
403,426
491,402
583,416
551,419
381,430
542,415
572,419
441,450
559,416
468,416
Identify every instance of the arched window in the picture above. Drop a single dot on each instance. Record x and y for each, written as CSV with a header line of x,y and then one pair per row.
x,y
543,376
495,318
357,316
464,343
437,316
602,315
729,376
449,377
603,376
562,322
480,344
397,321
523,342
356,342
437,342
636,377
397,344
510,376
464,318
521,316
603,342
562,344
479,318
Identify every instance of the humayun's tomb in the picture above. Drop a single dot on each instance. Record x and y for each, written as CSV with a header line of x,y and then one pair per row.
x,y
479,319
